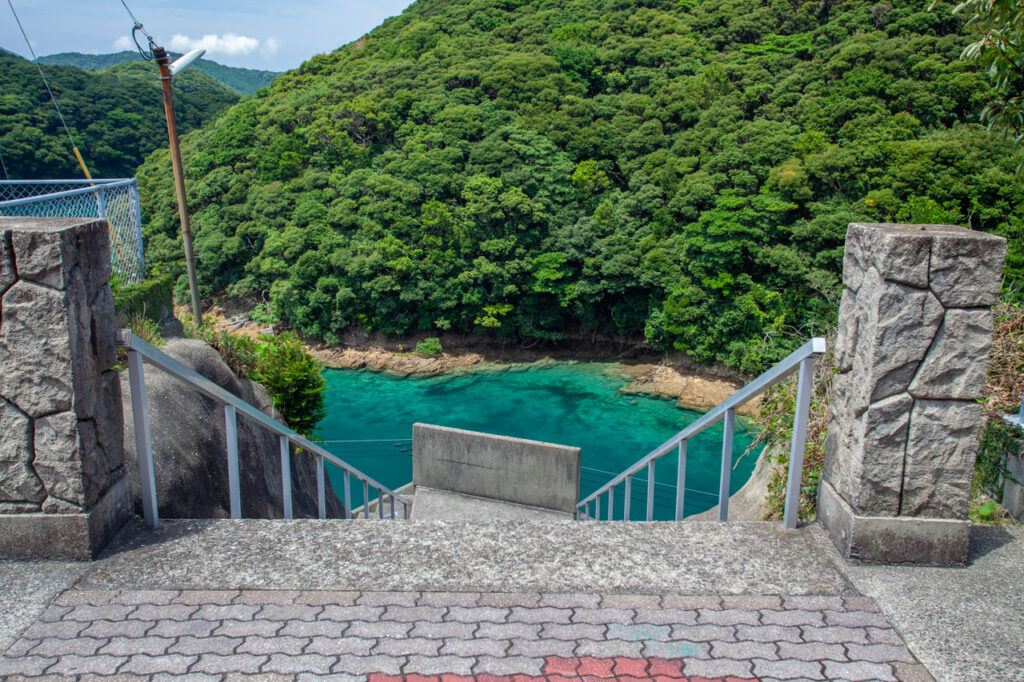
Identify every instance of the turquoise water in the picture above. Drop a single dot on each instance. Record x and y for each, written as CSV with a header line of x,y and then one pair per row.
x,y
370,417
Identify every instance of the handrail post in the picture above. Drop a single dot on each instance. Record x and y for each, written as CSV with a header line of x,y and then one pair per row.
x,y
796,450
723,485
366,500
681,481
629,492
611,504
597,508
650,490
380,504
348,495
143,441
231,434
286,475
321,492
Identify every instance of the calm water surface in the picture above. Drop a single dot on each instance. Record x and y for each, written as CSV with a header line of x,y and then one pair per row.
x,y
370,417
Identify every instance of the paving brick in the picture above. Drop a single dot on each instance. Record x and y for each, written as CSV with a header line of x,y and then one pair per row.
x,y
835,635
163,612
200,597
544,647
561,665
508,631
639,633
81,646
188,677
603,616
388,599
907,672
290,612
249,628
477,614
860,604
445,630
610,649
728,617
422,678
137,597
666,616
20,648
856,619
857,671
78,665
436,665
332,646
272,645
238,663
85,613
174,664
121,628
476,647
630,667
53,613
225,612
190,645
25,665
704,633
792,617
178,628
407,646
572,632
448,599
744,650
751,603
883,636
672,650
312,663
810,670
457,678
767,633
326,598
879,653
319,628
691,603
694,667
591,667
74,597
63,629
812,603
129,646
333,677
262,677
547,614
630,601
660,667
513,665
259,597
570,601
509,599
815,651
347,613
377,630
412,614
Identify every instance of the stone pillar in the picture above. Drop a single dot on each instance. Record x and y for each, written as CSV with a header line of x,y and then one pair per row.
x,y
63,490
915,330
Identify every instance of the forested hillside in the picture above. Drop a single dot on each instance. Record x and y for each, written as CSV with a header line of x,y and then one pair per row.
x,y
241,80
116,116
683,169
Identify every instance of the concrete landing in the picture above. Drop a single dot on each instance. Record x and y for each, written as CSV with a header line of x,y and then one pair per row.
x,y
441,505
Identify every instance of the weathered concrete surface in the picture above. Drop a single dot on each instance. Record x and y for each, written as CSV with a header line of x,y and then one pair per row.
x,y
26,588
500,556
442,505
485,465
915,330
962,623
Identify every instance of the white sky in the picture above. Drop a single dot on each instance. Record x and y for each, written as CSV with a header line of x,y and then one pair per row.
x,y
258,34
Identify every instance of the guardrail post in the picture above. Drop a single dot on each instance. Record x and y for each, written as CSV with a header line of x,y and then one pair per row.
x,y
366,500
286,476
611,504
143,441
348,495
629,492
650,490
729,425
681,481
380,504
796,449
231,435
321,492
597,508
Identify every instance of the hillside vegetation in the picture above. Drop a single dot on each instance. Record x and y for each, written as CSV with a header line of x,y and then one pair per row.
x,y
680,169
241,80
116,116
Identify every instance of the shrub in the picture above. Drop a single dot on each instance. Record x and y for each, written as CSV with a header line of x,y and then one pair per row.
x,y
144,299
429,347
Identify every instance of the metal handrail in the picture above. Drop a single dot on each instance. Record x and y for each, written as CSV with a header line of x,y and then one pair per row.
x,y
93,186
801,359
137,350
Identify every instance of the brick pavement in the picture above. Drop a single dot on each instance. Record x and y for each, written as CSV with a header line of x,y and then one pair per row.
x,y
456,637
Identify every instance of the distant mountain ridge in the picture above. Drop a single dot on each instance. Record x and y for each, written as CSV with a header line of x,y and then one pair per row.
x,y
241,80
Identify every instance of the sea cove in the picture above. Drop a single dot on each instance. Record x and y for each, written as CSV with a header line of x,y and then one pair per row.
x,y
370,416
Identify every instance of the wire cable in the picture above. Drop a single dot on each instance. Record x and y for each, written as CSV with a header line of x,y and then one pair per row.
x,y
147,55
53,99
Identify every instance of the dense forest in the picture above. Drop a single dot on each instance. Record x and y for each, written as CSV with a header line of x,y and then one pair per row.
x,y
241,80
115,115
681,169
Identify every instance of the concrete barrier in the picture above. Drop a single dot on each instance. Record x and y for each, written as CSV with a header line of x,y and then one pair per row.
x,y
502,468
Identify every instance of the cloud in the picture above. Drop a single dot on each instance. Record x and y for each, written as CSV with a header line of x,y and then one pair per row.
x,y
270,46
229,44
124,43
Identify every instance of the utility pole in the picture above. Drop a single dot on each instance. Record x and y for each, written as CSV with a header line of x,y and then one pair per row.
x,y
166,74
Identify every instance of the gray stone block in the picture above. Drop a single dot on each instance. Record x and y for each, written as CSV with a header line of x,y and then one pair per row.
x,y
8,274
900,252
18,480
966,267
46,250
957,362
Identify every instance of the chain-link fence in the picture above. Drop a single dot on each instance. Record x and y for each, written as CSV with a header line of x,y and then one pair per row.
x,y
115,200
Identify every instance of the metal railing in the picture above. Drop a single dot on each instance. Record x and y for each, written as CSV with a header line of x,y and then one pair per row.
x,y
137,350
801,359
115,200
